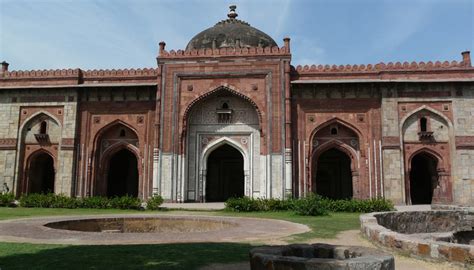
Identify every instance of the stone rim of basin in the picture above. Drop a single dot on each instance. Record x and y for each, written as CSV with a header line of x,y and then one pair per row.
x,y
301,256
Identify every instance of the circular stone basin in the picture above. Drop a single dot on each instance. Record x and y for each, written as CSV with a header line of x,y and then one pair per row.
x,y
319,256
141,225
144,229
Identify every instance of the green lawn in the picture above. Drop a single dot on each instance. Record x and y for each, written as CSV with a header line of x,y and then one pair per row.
x,y
162,256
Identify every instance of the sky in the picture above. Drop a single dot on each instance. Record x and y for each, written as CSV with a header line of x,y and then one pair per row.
x,y
100,34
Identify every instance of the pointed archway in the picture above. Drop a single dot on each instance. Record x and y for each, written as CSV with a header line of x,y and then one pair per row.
x,y
41,174
225,174
122,175
117,168
423,178
333,175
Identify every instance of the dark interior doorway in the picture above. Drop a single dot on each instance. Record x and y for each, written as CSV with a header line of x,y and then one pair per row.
x,y
225,174
423,178
333,175
123,174
41,174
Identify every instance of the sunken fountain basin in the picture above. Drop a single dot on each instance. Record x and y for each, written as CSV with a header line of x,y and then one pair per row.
x,y
319,256
157,228
141,225
435,235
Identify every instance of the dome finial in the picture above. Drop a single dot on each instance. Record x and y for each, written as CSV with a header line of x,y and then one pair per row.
x,y
232,14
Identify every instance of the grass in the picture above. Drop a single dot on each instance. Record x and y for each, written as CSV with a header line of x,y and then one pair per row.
x,y
162,256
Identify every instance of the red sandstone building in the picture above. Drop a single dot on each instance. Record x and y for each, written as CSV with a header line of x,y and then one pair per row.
x,y
230,116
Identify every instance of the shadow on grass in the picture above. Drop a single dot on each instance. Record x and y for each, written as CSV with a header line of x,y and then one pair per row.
x,y
162,256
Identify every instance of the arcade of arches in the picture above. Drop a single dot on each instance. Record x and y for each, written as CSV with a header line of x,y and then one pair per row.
x,y
236,117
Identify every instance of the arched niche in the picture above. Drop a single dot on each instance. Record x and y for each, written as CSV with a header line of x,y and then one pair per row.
x,y
40,174
117,137
220,115
336,136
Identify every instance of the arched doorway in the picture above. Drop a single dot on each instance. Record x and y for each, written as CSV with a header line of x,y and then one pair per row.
x,y
225,174
333,175
122,176
41,174
423,178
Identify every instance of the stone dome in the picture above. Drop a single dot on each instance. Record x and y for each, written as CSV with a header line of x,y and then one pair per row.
x,y
230,33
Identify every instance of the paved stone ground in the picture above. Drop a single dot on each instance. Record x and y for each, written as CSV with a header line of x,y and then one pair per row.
x,y
195,206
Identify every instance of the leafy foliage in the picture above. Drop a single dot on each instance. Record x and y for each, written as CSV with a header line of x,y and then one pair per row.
x,y
6,199
310,205
52,200
154,202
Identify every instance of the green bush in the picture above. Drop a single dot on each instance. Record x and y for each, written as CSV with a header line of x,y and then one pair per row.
x,y
244,204
6,199
154,202
359,206
125,202
311,205
52,200
49,200
95,202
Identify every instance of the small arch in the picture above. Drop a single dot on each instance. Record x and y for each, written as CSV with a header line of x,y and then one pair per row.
x,y
337,121
225,106
40,114
122,173
403,121
334,131
423,178
112,125
122,133
333,175
40,176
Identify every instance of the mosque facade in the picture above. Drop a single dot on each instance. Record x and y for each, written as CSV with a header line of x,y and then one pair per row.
x,y
230,116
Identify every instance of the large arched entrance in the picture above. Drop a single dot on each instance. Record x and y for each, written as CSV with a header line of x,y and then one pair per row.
x,y
122,176
222,116
333,175
423,178
225,174
41,174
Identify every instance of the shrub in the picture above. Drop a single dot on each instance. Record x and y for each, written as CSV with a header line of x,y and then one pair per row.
x,y
6,199
125,202
95,202
311,205
154,202
244,204
49,200
359,206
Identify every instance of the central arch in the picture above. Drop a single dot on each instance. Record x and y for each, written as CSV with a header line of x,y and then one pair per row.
x,y
41,173
333,175
222,116
122,175
225,174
